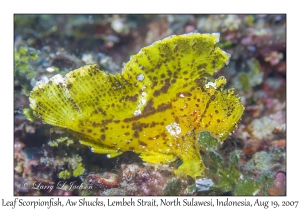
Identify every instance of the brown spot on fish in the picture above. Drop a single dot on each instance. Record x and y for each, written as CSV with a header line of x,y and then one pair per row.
x,y
142,143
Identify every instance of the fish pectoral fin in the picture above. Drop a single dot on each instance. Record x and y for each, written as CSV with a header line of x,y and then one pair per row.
x,y
192,164
192,167
112,155
101,149
156,157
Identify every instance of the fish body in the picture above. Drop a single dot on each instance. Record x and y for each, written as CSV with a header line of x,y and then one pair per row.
x,y
156,107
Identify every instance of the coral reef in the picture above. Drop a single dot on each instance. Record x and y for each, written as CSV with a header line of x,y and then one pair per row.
x,y
105,181
251,161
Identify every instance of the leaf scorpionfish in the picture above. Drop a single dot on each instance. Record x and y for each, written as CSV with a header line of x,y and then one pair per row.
x,y
156,107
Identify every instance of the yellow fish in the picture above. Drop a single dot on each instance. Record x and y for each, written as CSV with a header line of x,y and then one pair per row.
x,y
156,107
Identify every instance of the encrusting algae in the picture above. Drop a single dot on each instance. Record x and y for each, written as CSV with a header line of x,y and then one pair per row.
x,y
156,107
